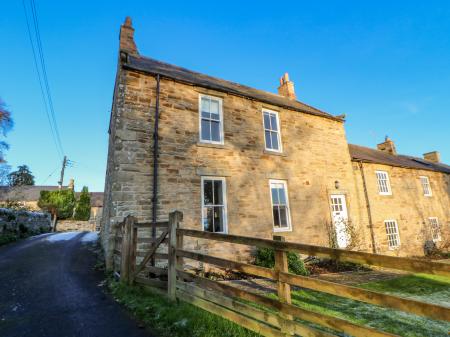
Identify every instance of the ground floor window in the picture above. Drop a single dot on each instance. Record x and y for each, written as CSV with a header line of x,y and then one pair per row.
x,y
214,211
280,205
435,230
392,234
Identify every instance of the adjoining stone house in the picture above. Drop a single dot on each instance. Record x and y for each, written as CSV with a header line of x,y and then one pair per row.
x,y
407,198
232,158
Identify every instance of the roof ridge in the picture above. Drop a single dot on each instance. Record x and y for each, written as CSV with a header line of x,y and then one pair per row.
x,y
245,90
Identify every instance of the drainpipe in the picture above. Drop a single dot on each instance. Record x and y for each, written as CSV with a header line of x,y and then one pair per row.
x,y
369,212
155,163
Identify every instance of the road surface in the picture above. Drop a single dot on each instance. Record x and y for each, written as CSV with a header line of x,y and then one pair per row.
x,y
49,287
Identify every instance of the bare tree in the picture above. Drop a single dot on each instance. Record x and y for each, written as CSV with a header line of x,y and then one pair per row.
x,y
6,124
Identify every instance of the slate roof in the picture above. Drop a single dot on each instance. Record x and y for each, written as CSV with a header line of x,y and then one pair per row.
x,y
368,155
32,193
151,66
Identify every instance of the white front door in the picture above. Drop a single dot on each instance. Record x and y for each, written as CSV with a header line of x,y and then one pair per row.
x,y
340,218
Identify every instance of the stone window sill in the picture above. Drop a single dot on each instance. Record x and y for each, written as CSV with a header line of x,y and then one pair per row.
x,y
274,153
214,146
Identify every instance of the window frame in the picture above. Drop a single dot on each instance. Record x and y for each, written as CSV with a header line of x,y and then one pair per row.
x,y
438,228
285,229
430,192
397,234
280,147
221,133
388,183
224,196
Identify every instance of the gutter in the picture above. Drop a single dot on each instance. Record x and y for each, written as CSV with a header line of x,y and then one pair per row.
x,y
369,211
155,161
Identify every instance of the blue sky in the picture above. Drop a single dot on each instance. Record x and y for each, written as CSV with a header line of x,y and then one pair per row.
x,y
385,64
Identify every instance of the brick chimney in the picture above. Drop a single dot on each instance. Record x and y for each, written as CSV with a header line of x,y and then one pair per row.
x,y
126,38
387,146
434,156
286,87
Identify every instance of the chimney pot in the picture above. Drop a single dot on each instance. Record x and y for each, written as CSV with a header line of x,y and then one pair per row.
x,y
286,87
433,156
387,146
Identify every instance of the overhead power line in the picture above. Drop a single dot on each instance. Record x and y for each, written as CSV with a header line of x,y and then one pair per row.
x,y
39,62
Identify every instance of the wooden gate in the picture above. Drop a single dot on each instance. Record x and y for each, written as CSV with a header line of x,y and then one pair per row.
x,y
151,270
276,317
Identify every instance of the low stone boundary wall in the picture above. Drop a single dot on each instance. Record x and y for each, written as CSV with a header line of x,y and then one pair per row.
x,y
75,225
23,223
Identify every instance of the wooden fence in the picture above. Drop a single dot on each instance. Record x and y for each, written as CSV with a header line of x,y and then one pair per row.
x,y
270,317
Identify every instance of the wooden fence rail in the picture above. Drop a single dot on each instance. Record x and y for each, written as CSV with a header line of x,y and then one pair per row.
x,y
270,317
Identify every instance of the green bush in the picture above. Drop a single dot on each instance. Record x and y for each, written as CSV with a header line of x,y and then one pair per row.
x,y
83,207
265,257
60,203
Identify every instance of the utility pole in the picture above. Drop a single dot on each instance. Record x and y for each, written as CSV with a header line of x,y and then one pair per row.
x,y
64,164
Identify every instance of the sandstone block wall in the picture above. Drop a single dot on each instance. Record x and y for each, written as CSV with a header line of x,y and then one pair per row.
x,y
75,225
315,156
407,205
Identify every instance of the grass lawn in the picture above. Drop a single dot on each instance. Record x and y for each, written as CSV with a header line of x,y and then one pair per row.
x,y
425,288
169,319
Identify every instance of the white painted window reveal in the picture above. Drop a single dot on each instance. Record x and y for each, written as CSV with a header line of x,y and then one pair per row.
x,y
272,135
214,210
280,206
425,182
384,186
392,233
211,119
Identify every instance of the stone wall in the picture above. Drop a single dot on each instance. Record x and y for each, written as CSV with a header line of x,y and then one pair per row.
x,y
407,205
315,156
76,225
23,223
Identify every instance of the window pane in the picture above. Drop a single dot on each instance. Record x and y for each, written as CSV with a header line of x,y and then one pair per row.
x,y
274,140
208,192
218,192
214,107
206,132
276,217
268,140
266,121
205,105
273,122
282,196
208,219
274,196
215,131
218,219
283,216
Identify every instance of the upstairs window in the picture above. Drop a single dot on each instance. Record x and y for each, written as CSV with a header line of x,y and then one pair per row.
x,y
211,120
280,206
384,187
425,186
214,217
393,236
272,131
435,229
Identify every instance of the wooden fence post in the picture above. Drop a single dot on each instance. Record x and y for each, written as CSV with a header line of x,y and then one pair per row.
x,y
284,289
126,249
175,218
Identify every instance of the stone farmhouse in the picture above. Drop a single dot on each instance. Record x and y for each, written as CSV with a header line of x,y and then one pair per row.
x,y
243,161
